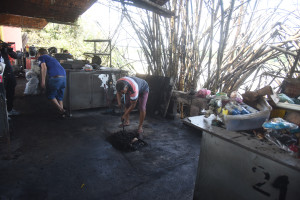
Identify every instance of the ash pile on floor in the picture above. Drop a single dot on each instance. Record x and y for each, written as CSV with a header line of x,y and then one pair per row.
x,y
125,141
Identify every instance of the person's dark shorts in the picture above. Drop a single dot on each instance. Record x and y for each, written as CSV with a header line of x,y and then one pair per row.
x,y
56,87
142,101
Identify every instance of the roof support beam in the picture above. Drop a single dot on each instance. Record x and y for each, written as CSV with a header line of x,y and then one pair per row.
x,y
148,5
22,21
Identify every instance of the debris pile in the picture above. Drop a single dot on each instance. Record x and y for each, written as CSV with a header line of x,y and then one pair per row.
x,y
126,141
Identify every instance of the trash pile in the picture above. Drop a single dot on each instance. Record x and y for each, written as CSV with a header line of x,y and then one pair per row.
x,y
252,111
87,67
282,134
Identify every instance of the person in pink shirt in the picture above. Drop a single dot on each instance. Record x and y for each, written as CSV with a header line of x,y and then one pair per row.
x,y
135,89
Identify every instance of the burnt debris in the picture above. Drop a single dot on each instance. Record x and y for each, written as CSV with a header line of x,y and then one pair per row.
x,y
126,141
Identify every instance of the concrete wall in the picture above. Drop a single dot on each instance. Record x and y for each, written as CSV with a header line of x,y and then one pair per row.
x,y
11,34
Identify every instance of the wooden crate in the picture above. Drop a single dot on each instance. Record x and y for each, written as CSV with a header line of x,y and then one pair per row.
x,y
291,87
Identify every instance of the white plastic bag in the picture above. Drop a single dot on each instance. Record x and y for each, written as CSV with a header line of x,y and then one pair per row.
x,y
32,84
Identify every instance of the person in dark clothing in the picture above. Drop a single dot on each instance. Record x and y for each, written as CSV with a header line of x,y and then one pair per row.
x,y
9,77
67,52
56,79
134,89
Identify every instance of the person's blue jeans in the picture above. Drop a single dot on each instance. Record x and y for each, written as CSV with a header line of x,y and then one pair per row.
x,y
56,87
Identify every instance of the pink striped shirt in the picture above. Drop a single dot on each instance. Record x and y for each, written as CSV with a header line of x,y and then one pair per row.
x,y
135,94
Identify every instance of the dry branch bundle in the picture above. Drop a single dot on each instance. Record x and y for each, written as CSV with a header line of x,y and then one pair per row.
x,y
219,45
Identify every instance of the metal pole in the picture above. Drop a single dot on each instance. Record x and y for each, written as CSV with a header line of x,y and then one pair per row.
x,y
110,53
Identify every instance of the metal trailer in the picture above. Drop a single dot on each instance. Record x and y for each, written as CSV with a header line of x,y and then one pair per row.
x,y
91,89
234,165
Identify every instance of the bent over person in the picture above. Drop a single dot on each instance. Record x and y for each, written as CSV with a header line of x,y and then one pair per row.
x,y
135,89
56,79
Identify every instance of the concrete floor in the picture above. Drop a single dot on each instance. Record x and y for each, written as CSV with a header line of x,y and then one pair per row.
x,y
70,158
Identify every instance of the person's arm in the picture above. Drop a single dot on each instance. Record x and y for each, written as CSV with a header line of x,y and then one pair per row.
x,y
43,74
119,95
12,54
131,107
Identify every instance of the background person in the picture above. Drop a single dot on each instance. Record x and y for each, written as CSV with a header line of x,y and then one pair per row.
x,y
9,77
67,52
134,89
56,79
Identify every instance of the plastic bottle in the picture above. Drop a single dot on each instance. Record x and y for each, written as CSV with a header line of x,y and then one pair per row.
x,y
242,110
224,111
232,110
250,109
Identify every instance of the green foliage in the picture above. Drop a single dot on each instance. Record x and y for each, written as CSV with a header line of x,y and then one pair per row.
x,y
70,37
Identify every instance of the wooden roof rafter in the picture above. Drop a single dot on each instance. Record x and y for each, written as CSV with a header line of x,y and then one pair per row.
x,y
58,11
153,5
22,21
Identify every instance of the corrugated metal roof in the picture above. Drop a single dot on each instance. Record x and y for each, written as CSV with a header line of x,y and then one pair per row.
x,y
64,11
37,13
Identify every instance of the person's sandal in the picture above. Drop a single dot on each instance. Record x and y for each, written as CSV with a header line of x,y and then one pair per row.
x,y
64,114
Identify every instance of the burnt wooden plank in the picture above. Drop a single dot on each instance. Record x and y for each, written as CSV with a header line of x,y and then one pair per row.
x,y
21,21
